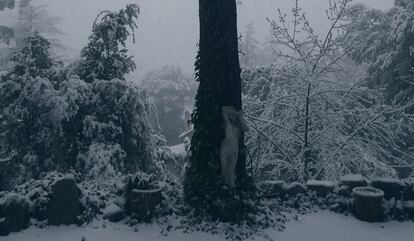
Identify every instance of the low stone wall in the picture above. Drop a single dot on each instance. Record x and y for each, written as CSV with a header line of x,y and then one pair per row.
x,y
396,199
58,200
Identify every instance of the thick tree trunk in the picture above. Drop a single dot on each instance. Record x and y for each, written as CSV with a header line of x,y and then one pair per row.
x,y
218,71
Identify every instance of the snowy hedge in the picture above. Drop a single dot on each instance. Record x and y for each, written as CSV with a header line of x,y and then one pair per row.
x,y
98,128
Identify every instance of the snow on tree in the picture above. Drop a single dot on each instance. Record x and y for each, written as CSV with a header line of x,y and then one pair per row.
x,y
122,107
171,93
34,58
31,19
105,57
385,41
46,129
315,117
97,129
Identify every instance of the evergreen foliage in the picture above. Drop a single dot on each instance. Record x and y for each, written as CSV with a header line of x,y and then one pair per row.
x,y
34,58
6,33
30,20
98,129
171,93
105,57
7,4
385,41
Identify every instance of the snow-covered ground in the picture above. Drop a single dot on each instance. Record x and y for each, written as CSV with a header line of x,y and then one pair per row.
x,y
321,226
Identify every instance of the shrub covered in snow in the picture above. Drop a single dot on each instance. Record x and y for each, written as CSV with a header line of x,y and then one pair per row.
x,y
50,119
105,57
171,95
100,128
352,130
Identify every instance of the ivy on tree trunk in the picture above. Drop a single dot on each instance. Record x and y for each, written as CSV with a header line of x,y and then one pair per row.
x,y
218,72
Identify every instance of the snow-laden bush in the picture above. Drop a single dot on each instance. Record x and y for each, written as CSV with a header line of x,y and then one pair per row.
x,y
119,116
106,56
102,159
51,119
78,125
171,94
352,129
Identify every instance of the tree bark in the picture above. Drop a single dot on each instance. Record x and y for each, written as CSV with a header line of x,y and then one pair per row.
x,y
218,72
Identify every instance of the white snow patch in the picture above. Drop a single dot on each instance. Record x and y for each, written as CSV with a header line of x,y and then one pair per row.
x,y
328,226
409,204
368,192
112,208
321,226
387,180
320,183
178,149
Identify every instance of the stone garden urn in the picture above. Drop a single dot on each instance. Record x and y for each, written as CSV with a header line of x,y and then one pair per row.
x,y
142,198
367,205
142,203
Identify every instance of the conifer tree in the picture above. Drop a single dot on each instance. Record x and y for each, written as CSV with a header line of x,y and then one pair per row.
x,y
34,58
105,57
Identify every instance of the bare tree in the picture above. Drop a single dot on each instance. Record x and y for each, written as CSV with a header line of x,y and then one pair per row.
x,y
316,117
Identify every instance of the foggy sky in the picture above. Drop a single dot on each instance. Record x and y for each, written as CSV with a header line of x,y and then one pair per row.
x,y
168,29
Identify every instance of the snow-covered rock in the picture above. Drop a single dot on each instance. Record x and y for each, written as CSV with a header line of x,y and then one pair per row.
x,y
296,188
349,182
64,205
14,213
273,188
322,188
114,213
353,180
408,192
409,209
392,188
